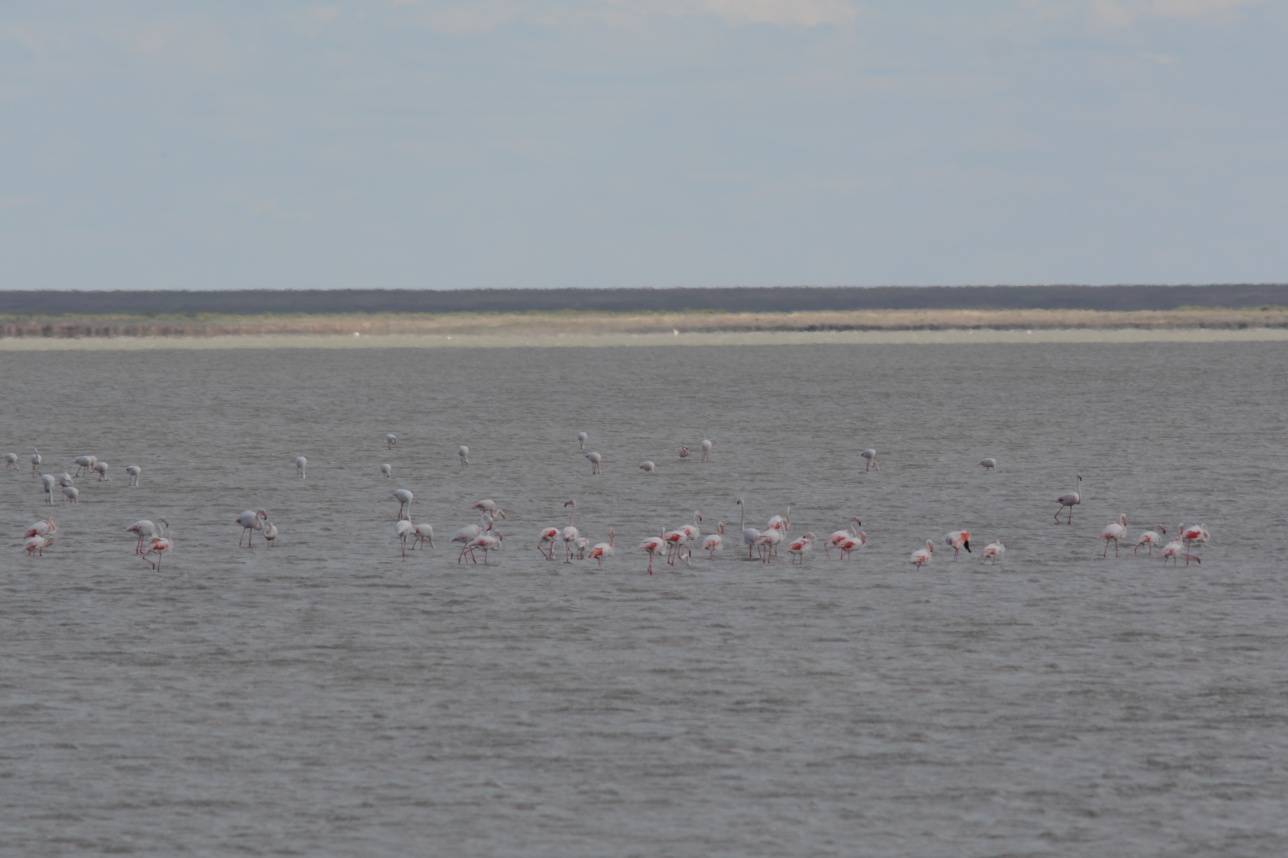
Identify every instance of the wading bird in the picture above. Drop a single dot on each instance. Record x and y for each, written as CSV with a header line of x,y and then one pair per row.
x,y
706,449
463,452
600,550
922,556
957,540
1070,500
870,455
1149,539
133,471
988,464
994,551
596,460
404,498
301,463
250,521
1114,532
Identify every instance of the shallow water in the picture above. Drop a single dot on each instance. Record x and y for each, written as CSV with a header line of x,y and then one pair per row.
x,y
327,696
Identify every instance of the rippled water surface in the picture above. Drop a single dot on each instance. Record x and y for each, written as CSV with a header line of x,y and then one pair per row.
x,y
329,697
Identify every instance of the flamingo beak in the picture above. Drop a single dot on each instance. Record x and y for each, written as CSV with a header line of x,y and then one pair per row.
x,y
966,545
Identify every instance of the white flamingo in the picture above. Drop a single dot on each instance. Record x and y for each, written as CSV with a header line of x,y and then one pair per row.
x,y
250,521
582,438
47,483
1070,500
870,454
712,542
35,462
11,461
391,440
404,498
144,529
1114,532
84,464
424,534
1149,539
596,461
301,463
133,471
387,470
922,556
988,464
270,533
404,530
706,449
463,452
490,508
71,494
100,468
749,534
648,466
570,533
465,536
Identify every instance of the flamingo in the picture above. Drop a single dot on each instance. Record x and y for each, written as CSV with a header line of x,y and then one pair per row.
x,y
922,556
463,452
404,498
693,531
391,440
300,464
596,460
11,461
251,521
35,462
424,534
144,529
684,452
387,470
65,479
133,471
781,523
570,533
1149,539
988,464
489,509
706,449
870,455
270,532
404,530
994,551
749,534
957,540
850,543
582,438
712,541
1194,534
487,541
603,549
839,536
1070,500
159,545
35,545
44,527
47,483
767,543
465,536
100,468
1175,550
648,466
84,464
1114,532
547,539
800,546
652,545
71,494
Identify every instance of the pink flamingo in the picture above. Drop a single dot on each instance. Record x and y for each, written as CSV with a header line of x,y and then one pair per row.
x,y
800,546
570,533
957,540
251,521
424,534
684,452
1174,551
994,551
44,527
487,541
712,542
159,545
35,545
652,545
768,543
922,556
144,529
603,549
850,543
839,536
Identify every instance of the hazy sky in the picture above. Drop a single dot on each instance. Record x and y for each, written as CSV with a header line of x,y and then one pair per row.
x,y
503,143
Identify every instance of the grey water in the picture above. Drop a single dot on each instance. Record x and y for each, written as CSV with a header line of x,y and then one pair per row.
x,y
327,696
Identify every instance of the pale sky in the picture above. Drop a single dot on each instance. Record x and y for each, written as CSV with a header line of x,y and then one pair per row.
x,y
544,143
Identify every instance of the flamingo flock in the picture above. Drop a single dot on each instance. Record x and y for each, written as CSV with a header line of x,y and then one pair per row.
x,y
676,546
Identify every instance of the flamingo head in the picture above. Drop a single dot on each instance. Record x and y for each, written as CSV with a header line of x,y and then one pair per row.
x,y
261,514
570,503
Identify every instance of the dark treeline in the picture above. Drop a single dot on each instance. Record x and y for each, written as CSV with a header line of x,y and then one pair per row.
x,y
778,299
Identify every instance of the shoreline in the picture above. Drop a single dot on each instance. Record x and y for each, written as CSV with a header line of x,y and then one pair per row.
x,y
1049,336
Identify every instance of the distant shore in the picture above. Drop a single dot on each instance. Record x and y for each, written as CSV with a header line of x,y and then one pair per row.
x,y
599,328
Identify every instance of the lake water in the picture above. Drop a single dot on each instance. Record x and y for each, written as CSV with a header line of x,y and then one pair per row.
x,y
329,697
